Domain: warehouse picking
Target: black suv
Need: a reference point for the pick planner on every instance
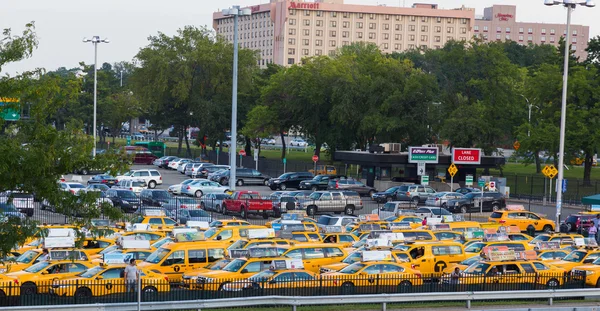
(319, 182)
(154, 197)
(243, 176)
(492, 201)
(124, 199)
(289, 180)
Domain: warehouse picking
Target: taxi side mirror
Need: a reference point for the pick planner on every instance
(45, 272)
(244, 271)
(99, 277)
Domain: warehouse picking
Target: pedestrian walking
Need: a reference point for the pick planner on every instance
(131, 276)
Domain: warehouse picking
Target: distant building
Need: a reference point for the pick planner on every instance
(499, 23)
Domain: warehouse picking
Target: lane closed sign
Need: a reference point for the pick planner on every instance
(466, 156)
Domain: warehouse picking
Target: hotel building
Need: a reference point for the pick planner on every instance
(285, 31)
(499, 22)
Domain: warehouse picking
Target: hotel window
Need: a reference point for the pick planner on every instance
(413, 18)
(318, 52)
(345, 43)
(292, 41)
(398, 27)
(424, 47)
(359, 35)
(305, 41)
(463, 39)
(306, 13)
(291, 51)
(485, 37)
(543, 39)
(306, 22)
(332, 43)
(529, 38)
(485, 28)
(439, 19)
(463, 30)
(371, 35)
(411, 27)
(507, 37)
(424, 28)
(333, 33)
(319, 13)
(450, 30)
(346, 25)
(333, 24)
(292, 21)
(438, 29)
(450, 20)
(318, 42)
(387, 17)
(552, 31)
(520, 38)
(573, 48)
(292, 12)
(292, 32)
(290, 61)
(507, 29)
(398, 18)
(397, 47)
(304, 51)
(306, 32)
(530, 30)
(543, 31)
(498, 29)
(332, 53)
(360, 15)
(498, 37)
(438, 38)
(411, 37)
(574, 32)
(345, 34)
(476, 28)
(551, 39)
(319, 23)
(386, 36)
(372, 16)
(574, 40)
(463, 21)
(319, 33)
(398, 37)
(372, 26)
(386, 46)
(411, 46)
(521, 30)
(359, 25)
(423, 38)
(346, 15)
(424, 19)
(386, 26)
(333, 14)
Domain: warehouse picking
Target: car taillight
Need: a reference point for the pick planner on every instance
(413, 266)
(437, 199)
(407, 194)
(160, 177)
(188, 187)
(502, 221)
(73, 191)
(337, 185)
(183, 206)
(131, 189)
(418, 275)
(193, 169)
(16, 282)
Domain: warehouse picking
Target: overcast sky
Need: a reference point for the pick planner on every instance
(61, 24)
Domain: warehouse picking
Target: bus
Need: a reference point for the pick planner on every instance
(157, 148)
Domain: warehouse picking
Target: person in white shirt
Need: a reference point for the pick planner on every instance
(45, 255)
(131, 276)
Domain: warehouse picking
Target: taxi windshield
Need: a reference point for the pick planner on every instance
(353, 268)
(161, 242)
(470, 261)
(109, 249)
(352, 258)
(477, 268)
(262, 276)
(575, 256)
(239, 244)
(158, 255)
(27, 257)
(210, 233)
(220, 264)
(37, 267)
(540, 238)
(475, 247)
(235, 265)
(91, 272)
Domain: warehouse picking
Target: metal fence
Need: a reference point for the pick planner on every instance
(537, 188)
(112, 289)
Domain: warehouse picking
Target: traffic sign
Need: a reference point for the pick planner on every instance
(469, 180)
(423, 154)
(425, 180)
(466, 156)
(421, 169)
(315, 158)
(564, 186)
(492, 186)
(255, 154)
(517, 145)
(481, 183)
(550, 171)
(128, 140)
(452, 170)
(243, 153)
(284, 160)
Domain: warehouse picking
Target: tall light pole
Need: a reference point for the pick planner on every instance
(570, 5)
(95, 40)
(236, 12)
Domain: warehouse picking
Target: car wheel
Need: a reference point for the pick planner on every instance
(240, 182)
(311, 210)
(347, 288)
(198, 193)
(150, 290)
(266, 182)
(282, 187)
(224, 209)
(389, 199)
(84, 171)
(463, 209)
(28, 288)
(495, 207)
(314, 188)
(152, 184)
(243, 212)
(548, 229)
(349, 210)
(404, 286)
(83, 293)
(552, 283)
(223, 182)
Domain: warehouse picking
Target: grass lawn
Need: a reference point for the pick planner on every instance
(574, 172)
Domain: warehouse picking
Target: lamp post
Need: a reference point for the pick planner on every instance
(236, 12)
(95, 40)
(570, 5)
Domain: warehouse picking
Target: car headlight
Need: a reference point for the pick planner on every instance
(588, 272)
(277, 181)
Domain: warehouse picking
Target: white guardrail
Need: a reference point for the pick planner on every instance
(294, 302)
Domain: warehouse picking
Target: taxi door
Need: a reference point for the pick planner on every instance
(111, 282)
(422, 259)
(534, 220)
(174, 265)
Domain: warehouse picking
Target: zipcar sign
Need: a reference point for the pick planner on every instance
(466, 156)
(422, 155)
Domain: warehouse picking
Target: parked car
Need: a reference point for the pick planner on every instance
(176, 188)
(416, 194)
(298, 142)
(432, 212)
(441, 199)
(470, 202)
(391, 194)
(332, 201)
(124, 199)
(289, 180)
(192, 168)
(394, 208)
(151, 176)
(184, 215)
(211, 176)
(576, 221)
(182, 202)
(213, 202)
(244, 176)
(268, 141)
(73, 187)
(200, 187)
(465, 190)
(155, 197)
(325, 221)
(351, 185)
(97, 187)
(319, 182)
(104, 179)
(248, 202)
(135, 185)
(205, 171)
(175, 163)
(164, 163)
(23, 202)
(9, 211)
(182, 166)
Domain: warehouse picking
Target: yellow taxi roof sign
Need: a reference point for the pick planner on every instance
(62, 242)
(177, 231)
(154, 212)
(130, 244)
(376, 256)
(515, 207)
(197, 224)
(140, 227)
(261, 233)
(287, 264)
(438, 227)
(368, 217)
(547, 245)
(585, 242)
(190, 237)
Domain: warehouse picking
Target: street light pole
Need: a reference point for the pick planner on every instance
(236, 12)
(570, 5)
(95, 40)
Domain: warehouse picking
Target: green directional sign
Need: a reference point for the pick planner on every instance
(423, 155)
(284, 160)
(469, 180)
(9, 109)
(424, 180)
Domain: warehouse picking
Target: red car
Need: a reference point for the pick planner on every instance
(144, 157)
(248, 202)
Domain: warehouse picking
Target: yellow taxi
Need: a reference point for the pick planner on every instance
(215, 266)
(356, 256)
(107, 280)
(32, 257)
(552, 254)
(315, 255)
(281, 275)
(413, 221)
(591, 272)
(95, 245)
(475, 248)
(156, 219)
(576, 258)
(245, 244)
(228, 223)
(522, 219)
(463, 264)
(130, 249)
(519, 237)
(37, 279)
(9, 287)
(379, 270)
(434, 257)
(345, 239)
(229, 233)
(464, 226)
